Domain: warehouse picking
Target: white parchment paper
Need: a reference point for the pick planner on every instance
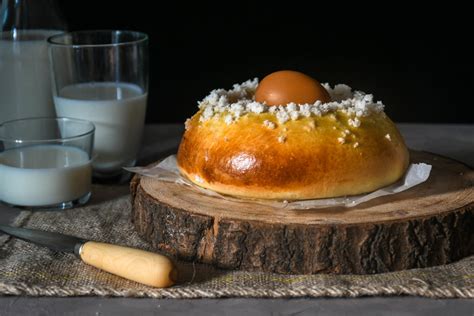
(167, 170)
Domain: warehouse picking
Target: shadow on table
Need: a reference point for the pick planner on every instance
(103, 193)
(195, 273)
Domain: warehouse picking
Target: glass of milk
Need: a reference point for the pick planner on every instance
(46, 162)
(102, 76)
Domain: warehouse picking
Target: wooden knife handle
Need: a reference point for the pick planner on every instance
(137, 265)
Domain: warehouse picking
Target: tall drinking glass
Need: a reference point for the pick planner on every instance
(102, 76)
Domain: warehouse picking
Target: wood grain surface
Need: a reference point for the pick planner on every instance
(430, 224)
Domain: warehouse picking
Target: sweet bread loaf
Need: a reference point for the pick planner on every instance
(237, 146)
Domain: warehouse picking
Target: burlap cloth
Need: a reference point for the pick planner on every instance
(27, 269)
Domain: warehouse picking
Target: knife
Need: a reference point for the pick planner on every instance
(137, 265)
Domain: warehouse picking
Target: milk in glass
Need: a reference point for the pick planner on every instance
(118, 112)
(44, 175)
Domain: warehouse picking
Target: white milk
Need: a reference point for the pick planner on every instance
(118, 112)
(25, 83)
(44, 175)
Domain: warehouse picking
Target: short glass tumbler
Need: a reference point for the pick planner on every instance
(46, 162)
(102, 77)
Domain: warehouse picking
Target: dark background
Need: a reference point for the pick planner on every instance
(418, 62)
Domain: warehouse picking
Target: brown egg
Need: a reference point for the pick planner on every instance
(286, 86)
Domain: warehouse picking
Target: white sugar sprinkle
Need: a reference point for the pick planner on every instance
(294, 115)
(388, 137)
(187, 124)
(282, 116)
(207, 114)
(341, 140)
(269, 124)
(240, 101)
(355, 122)
(228, 119)
(356, 144)
(281, 138)
(255, 107)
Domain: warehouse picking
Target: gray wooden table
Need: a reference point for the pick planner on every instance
(455, 141)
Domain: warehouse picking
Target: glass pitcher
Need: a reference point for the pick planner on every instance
(25, 80)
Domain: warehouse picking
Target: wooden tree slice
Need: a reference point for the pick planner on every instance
(430, 224)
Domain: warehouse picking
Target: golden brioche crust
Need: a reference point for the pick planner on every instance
(312, 157)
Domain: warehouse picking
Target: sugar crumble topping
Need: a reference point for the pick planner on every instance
(228, 119)
(187, 123)
(355, 122)
(281, 139)
(231, 105)
(269, 124)
(311, 126)
(238, 101)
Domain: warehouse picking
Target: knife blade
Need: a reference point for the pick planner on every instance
(55, 241)
(134, 264)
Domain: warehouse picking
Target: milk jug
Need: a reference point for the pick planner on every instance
(25, 79)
